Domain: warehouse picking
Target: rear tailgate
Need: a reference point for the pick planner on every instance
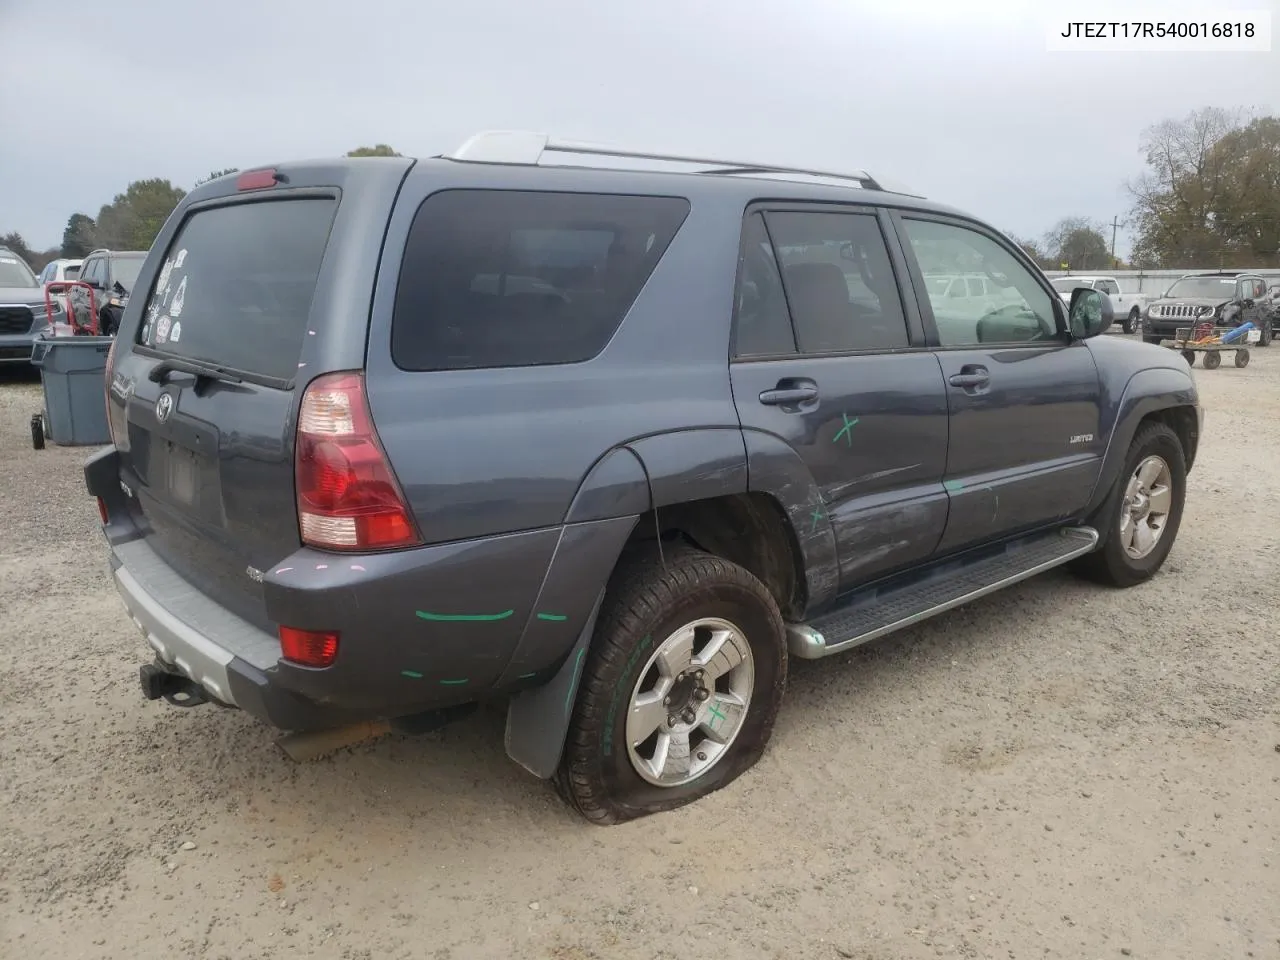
(270, 286)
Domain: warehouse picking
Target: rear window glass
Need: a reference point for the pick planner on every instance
(506, 279)
(125, 270)
(73, 272)
(236, 286)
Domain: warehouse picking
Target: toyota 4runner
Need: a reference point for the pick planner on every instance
(609, 445)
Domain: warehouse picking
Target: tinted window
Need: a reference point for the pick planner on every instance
(1018, 308)
(72, 273)
(1207, 288)
(236, 286)
(124, 271)
(14, 273)
(763, 326)
(1259, 288)
(839, 283)
(504, 279)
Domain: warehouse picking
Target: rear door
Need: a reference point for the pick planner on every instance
(1023, 399)
(270, 288)
(827, 359)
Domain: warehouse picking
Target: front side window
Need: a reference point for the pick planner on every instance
(1020, 310)
(504, 278)
(1109, 287)
(839, 282)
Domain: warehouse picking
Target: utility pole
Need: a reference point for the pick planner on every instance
(1115, 223)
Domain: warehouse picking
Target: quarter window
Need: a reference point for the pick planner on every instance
(763, 326)
(1016, 309)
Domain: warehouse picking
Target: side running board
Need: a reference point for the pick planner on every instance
(894, 604)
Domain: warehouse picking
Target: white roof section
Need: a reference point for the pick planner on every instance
(531, 149)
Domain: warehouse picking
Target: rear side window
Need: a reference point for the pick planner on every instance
(839, 282)
(236, 287)
(495, 278)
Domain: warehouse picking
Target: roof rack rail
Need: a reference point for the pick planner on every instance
(529, 148)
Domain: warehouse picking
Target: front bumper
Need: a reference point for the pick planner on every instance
(16, 347)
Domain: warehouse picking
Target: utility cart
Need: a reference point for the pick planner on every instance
(1213, 342)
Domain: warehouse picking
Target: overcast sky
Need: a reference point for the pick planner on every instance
(957, 98)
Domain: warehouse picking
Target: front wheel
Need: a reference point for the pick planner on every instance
(1133, 322)
(1140, 518)
(680, 690)
(1267, 333)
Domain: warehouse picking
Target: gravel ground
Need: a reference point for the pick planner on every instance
(1058, 771)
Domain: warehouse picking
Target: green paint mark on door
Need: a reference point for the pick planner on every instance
(846, 431)
(411, 674)
(463, 617)
(552, 616)
(454, 683)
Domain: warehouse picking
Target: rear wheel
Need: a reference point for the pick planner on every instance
(1140, 518)
(680, 690)
(37, 431)
(1267, 333)
(1212, 360)
(1242, 358)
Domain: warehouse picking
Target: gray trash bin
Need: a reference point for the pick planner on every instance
(73, 372)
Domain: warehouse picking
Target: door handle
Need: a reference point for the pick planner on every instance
(970, 376)
(789, 392)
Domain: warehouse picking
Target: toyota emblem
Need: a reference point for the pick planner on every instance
(164, 407)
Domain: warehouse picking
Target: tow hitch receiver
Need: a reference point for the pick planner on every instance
(176, 689)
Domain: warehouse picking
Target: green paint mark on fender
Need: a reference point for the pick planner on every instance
(411, 674)
(454, 683)
(577, 670)
(463, 617)
(846, 431)
(552, 616)
(953, 484)
(815, 516)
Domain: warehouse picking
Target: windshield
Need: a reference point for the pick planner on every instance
(125, 270)
(14, 273)
(1067, 284)
(1207, 288)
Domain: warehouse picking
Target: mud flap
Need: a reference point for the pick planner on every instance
(538, 719)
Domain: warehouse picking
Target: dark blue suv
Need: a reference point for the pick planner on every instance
(610, 445)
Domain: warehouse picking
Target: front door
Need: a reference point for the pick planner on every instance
(826, 360)
(1024, 399)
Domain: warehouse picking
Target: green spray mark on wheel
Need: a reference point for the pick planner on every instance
(715, 712)
(552, 616)
(463, 617)
(411, 674)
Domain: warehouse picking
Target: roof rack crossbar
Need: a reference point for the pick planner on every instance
(520, 147)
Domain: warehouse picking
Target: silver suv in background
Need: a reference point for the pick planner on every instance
(23, 315)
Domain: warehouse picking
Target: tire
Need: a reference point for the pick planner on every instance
(37, 431)
(1132, 322)
(1213, 360)
(1268, 332)
(647, 604)
(1190, 357)
(1242, 358)
(1111, 563)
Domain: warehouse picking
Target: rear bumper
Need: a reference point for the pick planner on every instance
(419, 629)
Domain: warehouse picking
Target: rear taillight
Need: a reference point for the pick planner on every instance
(348, 498)
(111, 365)
(310, 648)
(102, 511)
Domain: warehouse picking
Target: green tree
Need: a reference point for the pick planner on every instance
(216, 174)
(380, 150)
(1079, 242)
(79, 237)
(132, 220)
(15, 243)
(1033, 250)
(1211, 194)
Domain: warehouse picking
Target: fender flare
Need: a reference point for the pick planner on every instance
(1147, 392)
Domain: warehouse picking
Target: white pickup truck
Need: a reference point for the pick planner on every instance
(1129, 307)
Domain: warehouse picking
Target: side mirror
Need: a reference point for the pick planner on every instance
(1090, 313)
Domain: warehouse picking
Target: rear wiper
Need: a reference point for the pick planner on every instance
(160, 372)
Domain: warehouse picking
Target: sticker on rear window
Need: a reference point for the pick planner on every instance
(167, 269)
(182, 255)
(179, 298)
(7, 260)
(162, 330)
(175, 333)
